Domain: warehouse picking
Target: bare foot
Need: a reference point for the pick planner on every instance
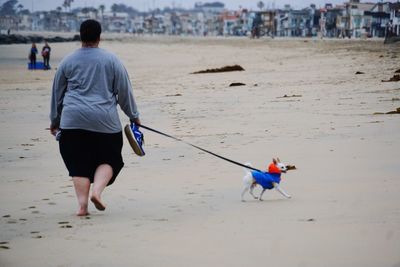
(82, 212)
(97, 203)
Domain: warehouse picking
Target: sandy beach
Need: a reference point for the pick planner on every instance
(302, 101)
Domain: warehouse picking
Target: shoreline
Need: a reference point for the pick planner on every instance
(107, 36)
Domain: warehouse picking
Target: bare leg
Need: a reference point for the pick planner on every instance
(82, 186)
(102, 176)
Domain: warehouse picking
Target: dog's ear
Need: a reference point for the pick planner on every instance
(278, 160)
(274, 160)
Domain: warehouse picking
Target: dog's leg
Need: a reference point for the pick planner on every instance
(247, 181)
(245, 189)
(262, 192)
(280, 190)
(251, 190)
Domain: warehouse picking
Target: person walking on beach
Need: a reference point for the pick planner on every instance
(46, 55)
(32, 56)
(88, 85)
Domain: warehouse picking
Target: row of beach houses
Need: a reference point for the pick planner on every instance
(349, 20)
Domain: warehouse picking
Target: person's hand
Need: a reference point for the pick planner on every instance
(53, 130)
(136, 121)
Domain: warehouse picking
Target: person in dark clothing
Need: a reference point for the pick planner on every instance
(46, 55)
(255, 28)
(32, 56)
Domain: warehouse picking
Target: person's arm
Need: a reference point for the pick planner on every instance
(57, 96)
(123, 89)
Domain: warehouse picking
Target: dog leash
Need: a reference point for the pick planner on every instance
(199, 148)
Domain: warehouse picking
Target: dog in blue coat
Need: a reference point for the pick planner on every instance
(267, 180)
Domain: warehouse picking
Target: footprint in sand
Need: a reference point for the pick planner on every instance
(27, 144)
(65, 225)
(161, 220)
(36, 236)
(307, 220)
(3, 245)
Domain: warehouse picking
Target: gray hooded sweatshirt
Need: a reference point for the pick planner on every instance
(88, 85)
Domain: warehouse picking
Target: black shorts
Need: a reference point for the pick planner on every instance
(83, 151)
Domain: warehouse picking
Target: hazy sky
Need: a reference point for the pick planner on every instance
(145, 5)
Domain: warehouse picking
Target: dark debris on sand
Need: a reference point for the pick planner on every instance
(223, 69)
(236, 84)
(395, 78)
(173, 95)
(288, 96)
(397, 111)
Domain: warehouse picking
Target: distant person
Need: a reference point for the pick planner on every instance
(87, 87)
(8, 31)
(46, 55)
(256, 25)
(32, 56)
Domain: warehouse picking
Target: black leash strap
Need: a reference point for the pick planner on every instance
(199, 148)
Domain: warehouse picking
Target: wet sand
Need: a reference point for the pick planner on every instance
(302, 101)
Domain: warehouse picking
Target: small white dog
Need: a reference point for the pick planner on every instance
(268, 180)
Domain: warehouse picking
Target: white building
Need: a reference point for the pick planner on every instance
(116, 21)
(395, 18)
